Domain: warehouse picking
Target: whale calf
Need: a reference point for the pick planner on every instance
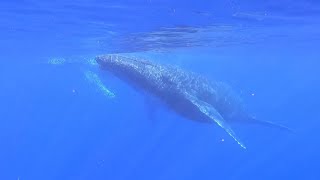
(188, 94)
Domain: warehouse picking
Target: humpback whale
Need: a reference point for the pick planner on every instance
(190, 95)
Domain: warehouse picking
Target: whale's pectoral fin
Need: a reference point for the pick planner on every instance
(213, 114)
(94, 79)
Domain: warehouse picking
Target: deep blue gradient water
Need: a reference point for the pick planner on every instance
(57, 122)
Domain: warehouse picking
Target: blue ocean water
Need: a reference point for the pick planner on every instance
(62, 118)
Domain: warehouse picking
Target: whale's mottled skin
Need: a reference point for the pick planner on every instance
(188, 94)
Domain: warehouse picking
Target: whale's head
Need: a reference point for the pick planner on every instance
(117, 64)
(114, 62)
(125, 67)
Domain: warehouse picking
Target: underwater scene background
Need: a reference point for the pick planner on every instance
(63, 118)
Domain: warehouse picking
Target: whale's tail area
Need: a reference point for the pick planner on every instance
(270, 124)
